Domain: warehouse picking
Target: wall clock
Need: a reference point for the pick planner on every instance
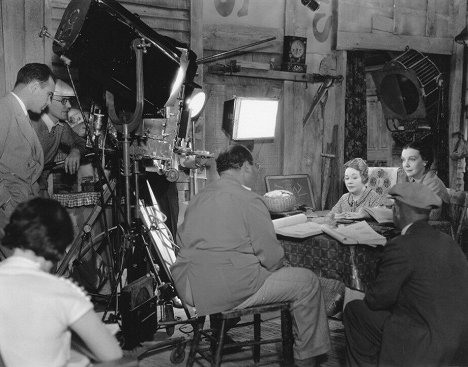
(294, 54)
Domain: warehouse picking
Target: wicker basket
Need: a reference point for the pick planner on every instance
(280, 204)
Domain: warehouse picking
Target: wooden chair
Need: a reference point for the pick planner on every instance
(381, 179)
(214, 351)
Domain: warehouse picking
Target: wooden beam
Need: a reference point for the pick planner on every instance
(13, 39)
(33, 22)
(47, 43)
(3, 88)
(431, 25)
(293, 133)
(272, 75)
(340, 117)
(196, 45)
(227, 37)
(455, 90)
(393, 42)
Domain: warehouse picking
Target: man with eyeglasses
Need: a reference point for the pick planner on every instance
(54, 132)
(21, 155)
(230, 258)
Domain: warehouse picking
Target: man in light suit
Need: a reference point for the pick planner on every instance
(230, 258)
(21, 155)
(414, 314)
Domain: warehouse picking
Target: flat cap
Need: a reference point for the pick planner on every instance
(416, 195)
(62, 89)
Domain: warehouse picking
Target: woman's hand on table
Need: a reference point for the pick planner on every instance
(360, 214)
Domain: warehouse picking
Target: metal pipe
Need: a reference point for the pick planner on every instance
(226, 54)
(126, 172)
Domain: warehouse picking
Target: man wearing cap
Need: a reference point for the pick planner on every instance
(414, 314)
(21, 156)
(54, 133)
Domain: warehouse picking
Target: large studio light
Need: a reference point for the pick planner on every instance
(97, 36)
(250, 118)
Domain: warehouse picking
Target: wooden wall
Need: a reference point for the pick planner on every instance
(425, 25)
(21, 22)
(295, 148)
(428, 26)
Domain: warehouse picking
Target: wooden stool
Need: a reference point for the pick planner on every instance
(214, 352)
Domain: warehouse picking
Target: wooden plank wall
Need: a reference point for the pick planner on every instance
(425, 25)
(296, 148)
(428, 26)
(20, 43)
(217, 39)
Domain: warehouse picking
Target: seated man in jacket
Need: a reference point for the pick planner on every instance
(54, 132)
(230, 258)
(414, 314)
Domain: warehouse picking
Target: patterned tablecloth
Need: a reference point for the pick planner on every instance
(328, 258)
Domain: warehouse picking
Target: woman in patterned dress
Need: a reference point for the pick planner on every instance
(359, 195)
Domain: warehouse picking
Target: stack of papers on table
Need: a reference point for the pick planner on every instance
(359, 233)
(296, 226)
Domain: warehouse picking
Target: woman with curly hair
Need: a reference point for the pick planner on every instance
(356, 176)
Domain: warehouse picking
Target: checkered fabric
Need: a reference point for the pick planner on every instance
(77, 199)
(328, 258)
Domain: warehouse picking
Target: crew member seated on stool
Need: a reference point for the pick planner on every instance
(38, 310)
(414, 314)
(230, 258)
(54, 132)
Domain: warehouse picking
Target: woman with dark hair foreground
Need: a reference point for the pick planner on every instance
(38, 310)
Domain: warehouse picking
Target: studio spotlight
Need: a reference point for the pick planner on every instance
(196, 103)
(311, 4)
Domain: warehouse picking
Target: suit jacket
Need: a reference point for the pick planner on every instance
(422, 279)
(62, 135)
(228, 247)
(21, 156)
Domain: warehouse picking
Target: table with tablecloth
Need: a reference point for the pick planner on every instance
(354, 265)
(328, 258)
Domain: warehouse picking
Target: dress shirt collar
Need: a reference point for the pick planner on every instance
(23, 106)
(49, 123)
(405, 229)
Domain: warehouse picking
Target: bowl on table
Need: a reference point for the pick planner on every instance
(278, 201)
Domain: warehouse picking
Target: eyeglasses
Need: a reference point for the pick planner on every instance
(63, 101)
